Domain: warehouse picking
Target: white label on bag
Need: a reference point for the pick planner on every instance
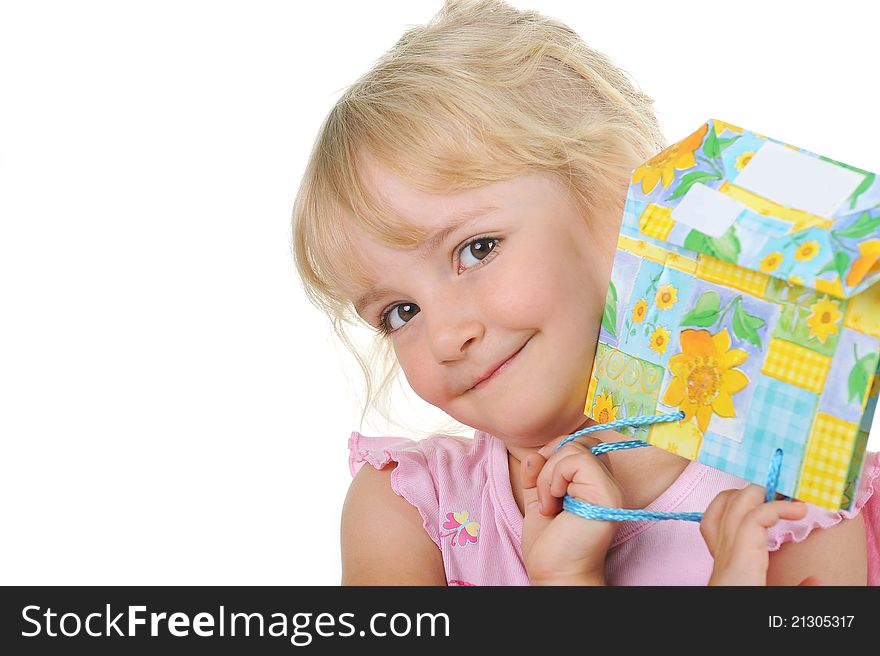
(798, 181)
(707, 210)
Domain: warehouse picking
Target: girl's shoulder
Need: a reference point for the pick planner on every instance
(866, 501)
(461, 489)
(428, 471)
(383, 536)
(378, 451)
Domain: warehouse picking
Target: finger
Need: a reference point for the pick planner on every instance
(769, 513)
(581, 444)
(530, 467)
(551, 488)
(711, 522)
(811, 580)
(534, 523)
(741, 503)
(579, 469)
(550, 448)
(549, 504)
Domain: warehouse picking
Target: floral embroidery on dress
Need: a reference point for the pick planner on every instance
(460, 582)
(460, 529)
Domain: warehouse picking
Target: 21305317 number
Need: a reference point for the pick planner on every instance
(810, 621)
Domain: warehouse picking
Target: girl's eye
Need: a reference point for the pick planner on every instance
(408, 310)
(479, 248)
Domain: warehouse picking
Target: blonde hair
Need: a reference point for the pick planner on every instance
(480, 94)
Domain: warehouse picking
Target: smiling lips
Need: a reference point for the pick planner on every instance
(493, 372)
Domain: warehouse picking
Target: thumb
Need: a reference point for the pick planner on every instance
(534, 522)
(811, 580)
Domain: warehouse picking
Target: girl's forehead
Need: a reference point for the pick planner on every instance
(428, 210)
(418, 205)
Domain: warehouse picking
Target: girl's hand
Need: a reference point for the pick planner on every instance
(561, 548)
(735, 527)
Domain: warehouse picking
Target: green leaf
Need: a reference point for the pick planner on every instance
(689, 180)
(609, 317)
(697, 241)
(864, 226)
(724, 143)
(705, 312)
(745, 325)
(862, 188)
(840, 264)
(726, 247)
(849, 167)
(710, 147)
(860, 376)
(830, 265)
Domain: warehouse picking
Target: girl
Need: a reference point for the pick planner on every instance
(464, 198)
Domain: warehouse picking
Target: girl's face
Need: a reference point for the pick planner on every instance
(523, 277)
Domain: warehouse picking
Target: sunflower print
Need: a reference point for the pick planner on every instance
(639, 310)
(771, 262)
(660, 340)
(604, 410)
(663, 165)
(666, 297)
(824, 318)
(704, 379)
(807, 251)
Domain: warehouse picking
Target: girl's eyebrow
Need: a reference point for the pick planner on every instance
(429, 245)
(456, 220)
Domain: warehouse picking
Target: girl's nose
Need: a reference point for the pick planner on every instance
(453, 326)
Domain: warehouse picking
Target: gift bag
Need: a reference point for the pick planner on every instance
(745, 292)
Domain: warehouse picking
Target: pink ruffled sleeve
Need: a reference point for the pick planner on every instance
(411, 479)
(867, 501)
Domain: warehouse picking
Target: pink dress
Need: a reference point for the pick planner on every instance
(461, 487)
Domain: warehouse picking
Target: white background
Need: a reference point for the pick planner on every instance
(172, 410)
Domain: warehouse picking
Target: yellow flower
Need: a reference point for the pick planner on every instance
(771, 262)
(639, 310)
(704, 379)
(666, 297)
(662, 166)
(744, 159)
(796, 280)
(660, 340)
(824, 319)
(867, 262)
(604, 410)
(807, 251)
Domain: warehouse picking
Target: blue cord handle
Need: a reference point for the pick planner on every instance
(589, 511)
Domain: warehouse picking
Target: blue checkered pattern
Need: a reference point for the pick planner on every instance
(780, 416)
